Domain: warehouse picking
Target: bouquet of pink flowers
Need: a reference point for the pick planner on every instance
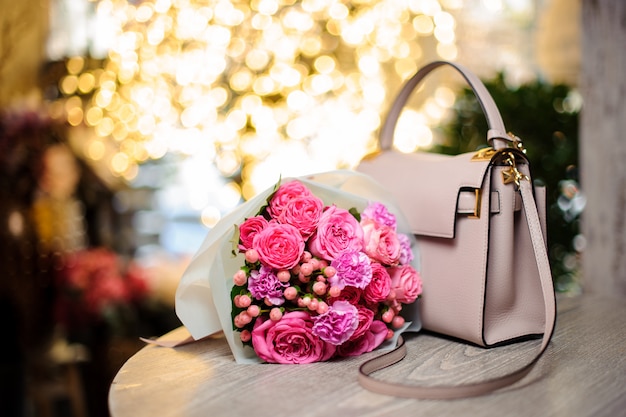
(317, 268)
(320, 281)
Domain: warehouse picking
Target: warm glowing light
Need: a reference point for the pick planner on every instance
(210, 216)
(119, 163)
(95, 150)
(75, 65)
(259, 89)
(445, 97)
(75, 116)
(93, 116)
(86, 82)
(423, 24)
(69, 84)
(229, 195)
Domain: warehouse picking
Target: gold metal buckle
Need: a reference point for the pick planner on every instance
(476, 214)
(484, 154)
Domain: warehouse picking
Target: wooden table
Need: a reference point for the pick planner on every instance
(583, 373)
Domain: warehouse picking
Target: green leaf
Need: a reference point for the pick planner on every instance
(355, 213)
(235, 241)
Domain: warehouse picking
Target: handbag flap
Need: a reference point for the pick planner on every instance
(427, 186)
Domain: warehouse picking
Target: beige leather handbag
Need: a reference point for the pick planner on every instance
(480, 227)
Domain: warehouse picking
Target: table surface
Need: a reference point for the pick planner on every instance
(583, 373)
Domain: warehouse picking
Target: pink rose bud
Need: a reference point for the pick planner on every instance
(244, 301)
(252, 256)
(290, 293)
(254, 310)
(334, 291)
(283, 275)
(315, 264)
(245, 336)
(397, 322)
(388, 316)
(329, 271)
(275, 314)
(240, 278)
(319, 288)
(244, 317)
(306, 269)
(322, 307)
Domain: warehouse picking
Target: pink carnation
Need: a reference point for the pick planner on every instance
(338, 324)
(264, 284)
(378, 213)
(353, 269)
(406, 254)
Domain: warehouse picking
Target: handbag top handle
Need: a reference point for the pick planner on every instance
(496, 136)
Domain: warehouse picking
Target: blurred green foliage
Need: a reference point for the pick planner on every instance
(545, 117)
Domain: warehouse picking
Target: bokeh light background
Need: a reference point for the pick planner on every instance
(231, 95)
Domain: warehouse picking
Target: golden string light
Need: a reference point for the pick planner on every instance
(257, 88)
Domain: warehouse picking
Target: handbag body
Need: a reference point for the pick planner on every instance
(479, 224)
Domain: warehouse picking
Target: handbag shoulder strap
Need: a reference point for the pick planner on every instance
(483, 387)
(496, 134)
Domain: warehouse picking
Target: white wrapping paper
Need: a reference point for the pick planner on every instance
(203, 301)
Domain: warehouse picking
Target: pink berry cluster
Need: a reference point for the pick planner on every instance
(310, 290)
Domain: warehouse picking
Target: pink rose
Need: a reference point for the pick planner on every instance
(373, 338)
(303, 213)
(337, 231)
(280, 246)
(349, 294)
(406, 283)
(381, 243)
(248, 229)
(285, 193)
(289, 340)
(366, 317)
(380, 285)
